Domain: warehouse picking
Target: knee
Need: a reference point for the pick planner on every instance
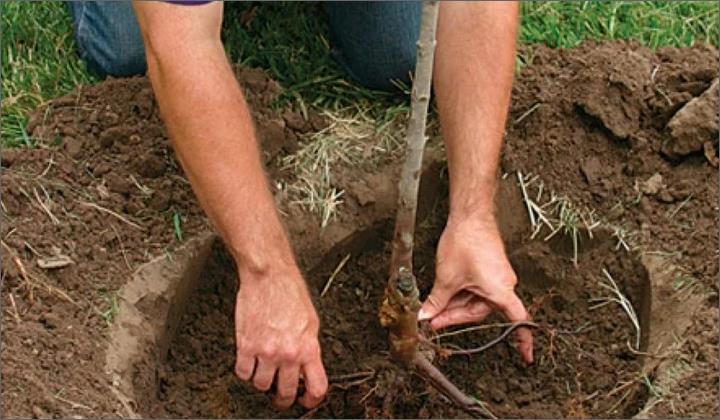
(375, 41)
(108, 38)
(382, 68)
(113, 62)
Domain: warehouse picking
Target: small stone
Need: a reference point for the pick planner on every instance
(652, 185)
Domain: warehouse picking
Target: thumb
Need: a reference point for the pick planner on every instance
(436, 302)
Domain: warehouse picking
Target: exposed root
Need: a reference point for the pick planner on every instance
(496, 340)
(348, 381)
(440, 382)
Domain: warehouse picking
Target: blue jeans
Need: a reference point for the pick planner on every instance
(374, 41)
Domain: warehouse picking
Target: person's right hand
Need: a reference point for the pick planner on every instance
(276, 330)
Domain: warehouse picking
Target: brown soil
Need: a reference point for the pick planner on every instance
(601, 135)
(101, 190)
(610, 134)
(580, 353)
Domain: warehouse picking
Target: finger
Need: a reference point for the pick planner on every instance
(437, 301)
(474, 311)
(316, 384)
(514, 310)
(286, 386)
(264, 374)
(244, 366)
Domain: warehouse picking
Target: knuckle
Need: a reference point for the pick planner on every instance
(244, 348)
(269, 350)
(288, 353)
(311, 348)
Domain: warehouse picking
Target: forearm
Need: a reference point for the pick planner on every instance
(473, 78)
(213, 137)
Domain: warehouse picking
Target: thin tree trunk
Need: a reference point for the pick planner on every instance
(410, 179)
(401, 302)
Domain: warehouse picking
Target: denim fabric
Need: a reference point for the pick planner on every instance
(108, 37)
(374, 41)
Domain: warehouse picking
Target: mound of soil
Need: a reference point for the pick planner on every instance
(633, 135)
(616, 128)
(100, 195)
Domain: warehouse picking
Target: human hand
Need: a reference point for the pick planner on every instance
(276, 330)
(473, 278)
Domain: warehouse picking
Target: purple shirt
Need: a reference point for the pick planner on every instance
(188, 2)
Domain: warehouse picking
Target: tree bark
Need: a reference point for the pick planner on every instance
(401, 302)
(410, 179)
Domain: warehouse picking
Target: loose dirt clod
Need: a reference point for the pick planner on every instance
(695, 124)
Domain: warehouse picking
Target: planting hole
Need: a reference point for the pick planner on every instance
(586, 363)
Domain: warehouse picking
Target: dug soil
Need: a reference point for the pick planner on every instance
(581, 354)
(622, 132)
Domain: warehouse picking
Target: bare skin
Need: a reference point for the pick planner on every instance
(275, 321)
(473, 78)
(276, 334)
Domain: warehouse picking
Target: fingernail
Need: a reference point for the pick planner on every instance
(422, 315)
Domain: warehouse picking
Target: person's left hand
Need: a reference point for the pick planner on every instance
(473, 278)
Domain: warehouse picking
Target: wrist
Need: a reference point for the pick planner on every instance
(480, 220)
(266, 254)
(268, 270)
(478, 208)
(472, 193)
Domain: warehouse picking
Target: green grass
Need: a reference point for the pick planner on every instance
(668, 23)
(38, 62)
(290, 41)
